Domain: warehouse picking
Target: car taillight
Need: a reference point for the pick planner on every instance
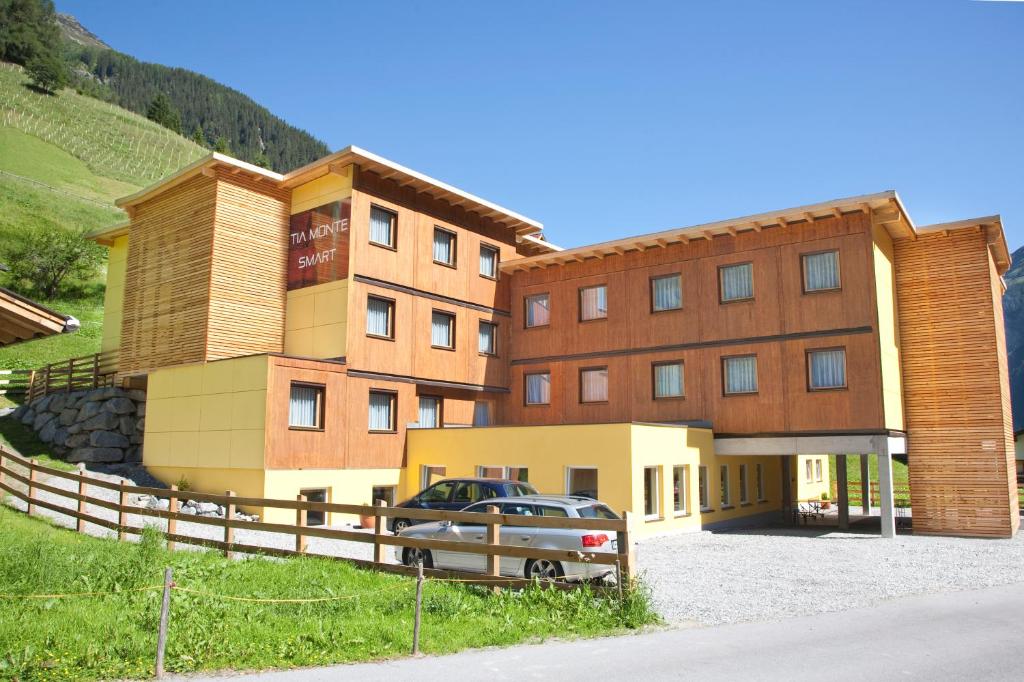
(594, 540)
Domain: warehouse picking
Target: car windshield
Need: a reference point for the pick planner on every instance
(519, 489)
(595, 511)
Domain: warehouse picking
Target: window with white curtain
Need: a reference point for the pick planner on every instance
(488, 261)
(668, 380)
(488, 338)
(594, 385)
(666, 293)
(382, 411)
(442, 330)
(482, 413)
(827, 369)
(538, 388)
(444, 247)
(380, 317)
(740, 374)
(736, 282)
(594, 303)
(430, 412)
(821, 271)
(382, 226)
(538, 310)
(306, 407)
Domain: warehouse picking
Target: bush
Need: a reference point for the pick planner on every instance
(44, 261)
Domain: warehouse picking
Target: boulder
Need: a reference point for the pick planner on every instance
(104, 393)
(28, 416)
(77, 440)
(89, 410)
(58, 402)
(43, 403)
(140, 425)
(140, 409)
(206, 507)
(188, 511)
(107, 439)
(40, 421)
(68, 416)
(158, 503)
(137, 395)
(104, 421)
(133, 454)
(119, 405)
(60, 435)
(88, 454)
(46, 433)
(126, 425)
(75, 428)
(19, 411)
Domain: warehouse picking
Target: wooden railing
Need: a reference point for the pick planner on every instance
(900, 493)
(73, 374)
(14, 383)
(26, 486)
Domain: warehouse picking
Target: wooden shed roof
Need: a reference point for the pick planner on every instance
(22, 319)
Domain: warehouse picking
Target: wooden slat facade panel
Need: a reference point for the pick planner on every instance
(955, 386)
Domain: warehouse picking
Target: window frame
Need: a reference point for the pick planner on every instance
(657, 515)
(579, 303)
(494, 338)
(704, 492)
(425, 475)
(389, 486)
(817, 470)
(497, 260)
(393, 428)
(608, 385)
(526, 306)
(654, 379)
(393, 246)
(803, 272)
(451, 329)
(454, 265)
(684, 494)
(730, 394)
(322, 517)
(808, 471)
(724, 487)
(721, 281)
(568, 477)
(391, 317)
(440, 409)
(650, 289)
(808, 352)
(526, 387)
(506, 472)
(321, 399)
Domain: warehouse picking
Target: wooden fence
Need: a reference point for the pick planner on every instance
(900, 493)
(14, 383)
(73, 374)
(622, 560)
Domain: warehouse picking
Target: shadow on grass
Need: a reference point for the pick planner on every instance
(24, 441)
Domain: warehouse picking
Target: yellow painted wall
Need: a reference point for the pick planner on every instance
(718, 511)
(344, 486)
(113, 299)
(888, 331)
(323, 190)
(243, 482)
(316, 320)
(811, 489)
(665, 448)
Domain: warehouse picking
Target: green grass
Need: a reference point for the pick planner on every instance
(85, 341)
(115, 636)
(900, 474)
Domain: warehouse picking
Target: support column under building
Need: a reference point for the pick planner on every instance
(885, 493)
(865, 485)
(843, 493)
(787, 490)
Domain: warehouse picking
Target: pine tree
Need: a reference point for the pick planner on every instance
(261, 160)
(221, 145)
(198, 137)
(163, 112)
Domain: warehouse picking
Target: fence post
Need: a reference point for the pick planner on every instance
(95, 370)
(46, 383)
(31, 486)
(229, 532)
(31, 385)
(300, 522)
(172, 521)
(122, 512)
(80, 522)
(493, 538)
(625, 550)
(71, 373)
(419, 604)
(161, 637)
(378, 530)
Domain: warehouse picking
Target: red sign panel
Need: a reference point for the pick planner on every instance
(318, 245)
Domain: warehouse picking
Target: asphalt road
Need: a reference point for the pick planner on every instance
(954, 636)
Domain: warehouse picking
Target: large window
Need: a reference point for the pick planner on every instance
(821, 271)
(382, 411)
(380, 317)
(538, 310)
(306, 406)
(430, 412)
(581, 481)
(736, 282)
(510, 473)
(739, 374)
(315, 518)
(593, 303)
(666, 293)
(488, 261)
(725, 494)
(826, 369)
(817, 470)
(744, 495)
(444, 247)
(488, 338)
(668, 379)
(482, 413)
(383, 226)
(442, 330)
(652, 493)
(680, 478)
(702, 488)
(594, 385)
(538, 388)
(759, 481)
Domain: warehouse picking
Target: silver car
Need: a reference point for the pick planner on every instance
(562, 506)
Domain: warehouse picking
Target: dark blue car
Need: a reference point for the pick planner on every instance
(458, 493)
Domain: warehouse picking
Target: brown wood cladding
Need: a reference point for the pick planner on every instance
(955, 388)
(780, 308)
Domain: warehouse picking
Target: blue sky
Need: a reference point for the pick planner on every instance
(603, 120)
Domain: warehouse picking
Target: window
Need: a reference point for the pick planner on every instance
(680, 476)
(744, 497)
(581, 481)
(593, 303)
(430, 412)
(668, 380)
(702, 488)
(488, 338)
(759, 481)
(594, 385)
(821, 271)
(538, 310)
(538, 388)
(826, 369)
(726, 494)
(488, 261)
(382, 227)
(444, 247)
(380, 317)
(552, 511)
(430, 474)
(817, 470)
(666, 293)
(306, 407)
(736, 282)
(521, 474)
(652, 501)
(382, 411)
(808, 469)
(482, 413)
(739, 374)
(442, 330)
(315, 518)
(383, 492)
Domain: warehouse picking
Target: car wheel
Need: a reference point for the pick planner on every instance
(400, 525)
(543, 569)
(411, 556)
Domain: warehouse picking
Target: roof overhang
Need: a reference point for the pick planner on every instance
(22, 319)
(107, 235)
(991, 225)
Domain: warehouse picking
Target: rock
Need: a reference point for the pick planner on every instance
(133, 454)
(136, 438)
(104, 421)
(126, 425)
(140, 409)
(158, 503)
(21, 410)
(28, 416)
(43, 403)
(68, 416)
(77, 440)
(206, 507)
(104, 393)
(75, 428)
(40, 421)
(140, 425)
(137, 395)
(88, 454)
(119, 405)
(107, 439)
(188, 511)
(58, 402)
(60, 435)
(46, 433)
(89, 410)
